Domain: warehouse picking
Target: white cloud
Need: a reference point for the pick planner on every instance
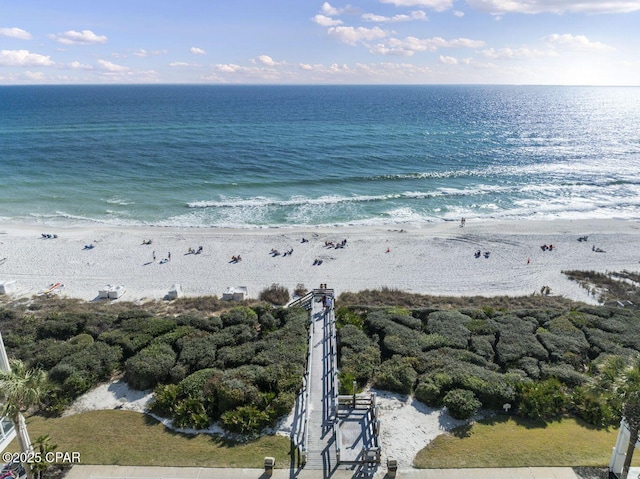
(76, 65)
(85, 37)
(415, 15)
(197, 51)
(364, 72)
(437, 5)
(497, 7)
(458, 13)
(576, 42)
(325, 21)
(36, 76)
(411, 45)
(229, 68)
(23, 58)
(327, 9)
(112, 67)
(15, 33)
(267, 60)
(352, 35)
(448, 60)
(141, 52)
(516, 53)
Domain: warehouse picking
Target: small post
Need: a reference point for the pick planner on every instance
(392, 468)
(269, 464)
(354, 394)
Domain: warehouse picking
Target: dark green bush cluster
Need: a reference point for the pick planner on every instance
(517, 339)
(242, 367)
(461, 403)
(150, 366)
(541, 361)
(242, 376)
(450, 325)
(359, 355)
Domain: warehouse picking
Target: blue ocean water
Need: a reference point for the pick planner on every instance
(261, 156)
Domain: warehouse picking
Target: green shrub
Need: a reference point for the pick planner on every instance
(275, 294)
(361, 365)
(241, 333)
(268, 323)
(129, 341)
(150, 366)
(428, 392)
(239, 315)
(194, 384)
(403, 316)
(178, 373)
(234, 356)
(76, 385)
(428, 342)
(49, 352)
(451, 325)
(395, 374)
(96, 362)
(172, 337)
(461, 403)
(61, 326)
(211, 324)
(230, 393)
(282, 404)
(530, 366)
(60, 372)
(165, 397)
(542, 400)
(197, 351)
(190, 413)
(245, 420)
(562, 337)
(563, 372)
(346, 316)
(516, 339)
(594, 408)
(151, 326)
(483, 346)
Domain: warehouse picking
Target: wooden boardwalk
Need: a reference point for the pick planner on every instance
(323, 388)
(334, 436)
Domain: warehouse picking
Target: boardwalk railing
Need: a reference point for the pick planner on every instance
(306, 301)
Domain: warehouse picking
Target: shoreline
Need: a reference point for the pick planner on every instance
(436, 259)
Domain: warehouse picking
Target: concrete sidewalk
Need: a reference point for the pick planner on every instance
(130, 472)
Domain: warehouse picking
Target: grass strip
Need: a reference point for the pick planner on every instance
(130, 438)
(513, 442)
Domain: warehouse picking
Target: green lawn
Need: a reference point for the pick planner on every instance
(131, 438)
(514, 442)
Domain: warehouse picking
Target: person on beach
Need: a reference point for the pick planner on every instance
(154, 256)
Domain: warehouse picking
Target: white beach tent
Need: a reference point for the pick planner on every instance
(175, 292)
(8, 287)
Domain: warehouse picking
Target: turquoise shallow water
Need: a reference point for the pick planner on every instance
(253, 156)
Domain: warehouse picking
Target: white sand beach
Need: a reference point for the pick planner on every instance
(437, 259)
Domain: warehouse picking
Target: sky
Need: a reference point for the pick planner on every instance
(559, 42)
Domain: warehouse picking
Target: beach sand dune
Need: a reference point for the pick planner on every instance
(439, 259)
